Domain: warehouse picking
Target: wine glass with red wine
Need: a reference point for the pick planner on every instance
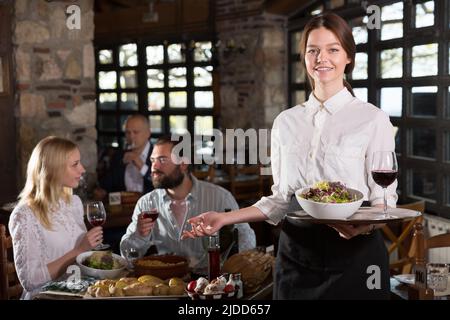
(150, 210)
(384, 171)
(96, 216)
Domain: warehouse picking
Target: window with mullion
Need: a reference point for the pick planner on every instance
(170, 82)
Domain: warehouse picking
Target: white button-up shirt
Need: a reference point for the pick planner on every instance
(333, 141)
(134, 178)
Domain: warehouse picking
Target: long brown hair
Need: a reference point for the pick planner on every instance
(343, 33)
(43, 188)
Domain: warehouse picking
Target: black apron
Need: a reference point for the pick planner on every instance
(314, 262)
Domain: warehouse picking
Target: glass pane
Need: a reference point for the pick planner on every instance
(360, 70)
(424, 184)
(298, 72)
(128, 55)
(203, 125)
(392, 21)
(391, 101)
(178, 124)
(424, 60)
(155, 78)
(106, 122)
(155, 101)
(107, 101)
(397, 140)
(359, 29)
(424, 101)
(360, 93)
(203, 76)
(203, 51)
(204, 99)
(174, 53)
(392, 63)
(424, 143)
(155, 55)
(129, 101)
(392, 12)
(128, 79)
(298, 97)
(178, 99)
(295, 42)
(155, 124)
(391, 30)
(105, 56)
(107, 80)
(177, 77)
(425, 14)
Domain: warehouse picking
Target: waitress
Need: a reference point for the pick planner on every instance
(330, 137)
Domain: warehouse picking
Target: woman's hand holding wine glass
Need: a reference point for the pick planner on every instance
(384, 171)
(96, 215)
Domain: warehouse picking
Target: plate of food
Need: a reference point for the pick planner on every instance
(329, 200)
(219, 288)
(101, 264)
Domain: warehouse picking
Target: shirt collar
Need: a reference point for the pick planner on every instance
(144, 152)
(191, 195)
(332, 105)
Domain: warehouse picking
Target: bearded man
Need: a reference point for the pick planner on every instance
(177, 197)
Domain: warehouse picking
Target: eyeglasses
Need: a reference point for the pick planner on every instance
(161, 160)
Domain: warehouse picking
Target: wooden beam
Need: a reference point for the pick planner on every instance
(283, 7)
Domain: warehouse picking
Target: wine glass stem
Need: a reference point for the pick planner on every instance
(385, 202)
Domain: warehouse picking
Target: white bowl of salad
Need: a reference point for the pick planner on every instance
(329, 200)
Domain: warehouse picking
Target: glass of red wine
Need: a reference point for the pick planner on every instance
(384, 171)
(96, 215)
(150, 210)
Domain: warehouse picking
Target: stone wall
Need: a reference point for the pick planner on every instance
(252, 64)
(55, 78)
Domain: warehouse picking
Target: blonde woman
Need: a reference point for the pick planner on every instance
(47, 225)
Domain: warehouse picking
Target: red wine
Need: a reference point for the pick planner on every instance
(214, 263)
(152, 214)
(384, 178)
(97, 221)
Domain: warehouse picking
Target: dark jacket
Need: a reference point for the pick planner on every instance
(114, 179)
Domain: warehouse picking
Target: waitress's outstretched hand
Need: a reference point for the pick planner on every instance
(204, 224)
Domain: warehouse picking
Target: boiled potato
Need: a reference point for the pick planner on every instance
(173, 282)
(161, 290)
(176, 290)
(138, 289)
(150, 280)
(116, 291)
(129, 280)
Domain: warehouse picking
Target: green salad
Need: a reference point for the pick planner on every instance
(329, 192)
(103, 260)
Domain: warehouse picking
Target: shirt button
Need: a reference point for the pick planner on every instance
(310, 154)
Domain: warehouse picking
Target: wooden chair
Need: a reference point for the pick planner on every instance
(10, 287)
(421, 245)
(400, 237)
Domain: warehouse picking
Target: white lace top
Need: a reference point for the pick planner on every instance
(35, 247)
